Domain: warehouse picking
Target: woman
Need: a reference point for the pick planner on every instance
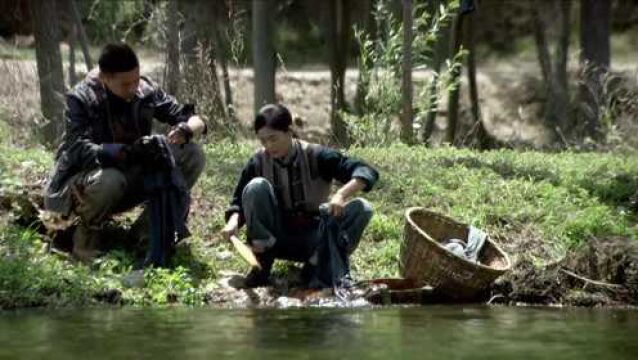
(280, 190)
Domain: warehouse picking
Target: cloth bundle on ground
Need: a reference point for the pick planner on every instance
(330, 266)
(469, 249)
(168, 202)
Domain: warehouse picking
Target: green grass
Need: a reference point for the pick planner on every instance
(566, 198)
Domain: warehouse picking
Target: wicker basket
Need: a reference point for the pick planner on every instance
(425, 261)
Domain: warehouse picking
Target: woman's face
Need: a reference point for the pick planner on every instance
(276, 142)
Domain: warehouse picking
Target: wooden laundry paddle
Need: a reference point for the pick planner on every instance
(245, 252)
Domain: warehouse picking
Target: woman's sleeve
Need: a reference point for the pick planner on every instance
(334, 165)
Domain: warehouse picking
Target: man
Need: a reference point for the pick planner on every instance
(107, 114)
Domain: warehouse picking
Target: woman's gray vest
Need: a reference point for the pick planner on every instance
(298, 185)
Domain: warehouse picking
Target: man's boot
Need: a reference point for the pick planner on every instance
(86, 243)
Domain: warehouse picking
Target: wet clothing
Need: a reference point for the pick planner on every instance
(95, 119)
(279, 201)
(168, 204)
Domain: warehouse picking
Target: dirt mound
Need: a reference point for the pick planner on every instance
(603, 272)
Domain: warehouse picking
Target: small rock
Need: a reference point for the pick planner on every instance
(234, 281)
(224, 255)
(134, 279)
(284, 302)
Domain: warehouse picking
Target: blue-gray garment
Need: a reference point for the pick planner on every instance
(332, 267)
(470, 248)
(168, 203)
(267, 228)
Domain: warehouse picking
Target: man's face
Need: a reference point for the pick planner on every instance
(123, 84)
(276, 142)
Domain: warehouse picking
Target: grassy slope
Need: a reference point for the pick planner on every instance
(558, 200)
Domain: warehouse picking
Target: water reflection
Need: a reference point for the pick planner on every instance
(423, 333)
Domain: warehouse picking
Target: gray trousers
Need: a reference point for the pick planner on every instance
(108, 191)
(266, 225)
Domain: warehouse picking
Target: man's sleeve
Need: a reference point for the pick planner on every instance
(334, 165)
(248, 173)
(78, 132)
(168, 110)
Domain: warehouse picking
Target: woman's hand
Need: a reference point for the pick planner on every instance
(337, 204)
(232, 227)
(338, 201)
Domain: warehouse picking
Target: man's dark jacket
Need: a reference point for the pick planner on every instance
(89, 125)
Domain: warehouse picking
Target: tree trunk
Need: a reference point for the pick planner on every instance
(453, 95)
(554, 75)
(407, 115)
(83, 39)
(263, 52)
(50, 73)
(542, 49)
(594, 59)
(362, 81)
(214, 82)
(339, 35)
(172, 49)
(222, 45)
(441, 52)
(558, 102)
(189, 36)
(71, 41)
(482, 137)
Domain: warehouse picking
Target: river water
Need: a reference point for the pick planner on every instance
(433, 332)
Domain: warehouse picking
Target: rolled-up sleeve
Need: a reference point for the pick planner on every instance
(334, 165)
(168, 110)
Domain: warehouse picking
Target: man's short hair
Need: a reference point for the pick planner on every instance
(116, 58)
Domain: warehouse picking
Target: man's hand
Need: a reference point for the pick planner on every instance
(180, 134)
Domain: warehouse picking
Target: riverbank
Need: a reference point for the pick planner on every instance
(566, 219)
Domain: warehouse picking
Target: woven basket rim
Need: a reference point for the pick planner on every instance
(427, 237)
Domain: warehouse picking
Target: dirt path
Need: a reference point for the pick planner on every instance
(508, 90)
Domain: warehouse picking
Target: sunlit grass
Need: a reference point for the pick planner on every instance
(564, 198)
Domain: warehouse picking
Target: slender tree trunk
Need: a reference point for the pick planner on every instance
(594, 59)
(453, 95)
(558, 103)
(221, 41)
(554, 75)
(49, 61)
(482, 136)
(263, 52)
(407, 114)
(214, 79)
(362, 80)
(441, 52)
(172, 49)
(189, 36)
(71, 42)
(339, 35)
(542, 48)
(83, 39)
